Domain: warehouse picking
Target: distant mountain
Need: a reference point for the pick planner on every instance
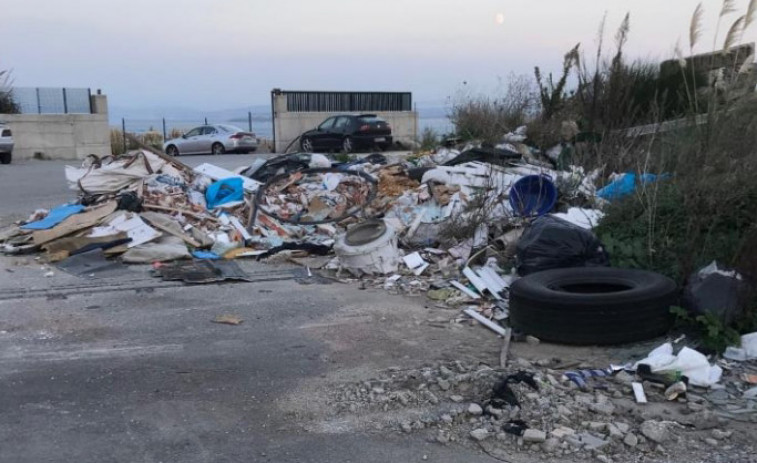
(259, 112)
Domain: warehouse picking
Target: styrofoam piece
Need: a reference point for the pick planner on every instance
(415, 263)
(584, 218)
(485, 321)
(464, 289)
(638, 392)
(135, 228)
(218, 173)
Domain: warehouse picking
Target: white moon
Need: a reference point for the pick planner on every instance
(499, 18)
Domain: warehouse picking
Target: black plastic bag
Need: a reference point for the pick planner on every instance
(718, 291)
(550, 243)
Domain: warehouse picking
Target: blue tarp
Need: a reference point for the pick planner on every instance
(224, 191)
(56, 216)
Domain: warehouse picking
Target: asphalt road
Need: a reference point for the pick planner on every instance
(130, 369)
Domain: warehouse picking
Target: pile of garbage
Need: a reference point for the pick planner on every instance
(426, 216)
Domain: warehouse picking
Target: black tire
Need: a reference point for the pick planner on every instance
(172, 150)
(306, 144)
(5, 158)
(348, 145)
(217, 148)
(593, 305)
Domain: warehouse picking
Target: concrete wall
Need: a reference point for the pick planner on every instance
(61, 136)
(289, 125)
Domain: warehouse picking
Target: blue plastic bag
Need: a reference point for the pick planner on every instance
(626, 184)
(54, 217)
(224, 191)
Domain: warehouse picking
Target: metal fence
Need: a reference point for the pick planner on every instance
(47, 100)
(298, 101)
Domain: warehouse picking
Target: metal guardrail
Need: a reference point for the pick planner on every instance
(308, 101)
(52, 100)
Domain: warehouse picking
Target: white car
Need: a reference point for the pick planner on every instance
(6, 144)
(214, 139)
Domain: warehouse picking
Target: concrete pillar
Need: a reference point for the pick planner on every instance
(99, 104)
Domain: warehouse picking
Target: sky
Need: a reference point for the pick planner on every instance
(216, 54)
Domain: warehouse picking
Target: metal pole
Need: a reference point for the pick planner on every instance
(249, 120)
(165, 137)
(65, 102)
(39, 105)
(123, 133)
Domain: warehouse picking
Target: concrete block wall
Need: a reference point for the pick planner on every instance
(61, 136)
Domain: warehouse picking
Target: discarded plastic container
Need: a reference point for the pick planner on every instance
(533, 195)
(377, 256)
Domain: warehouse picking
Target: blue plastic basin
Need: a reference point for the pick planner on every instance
(533, 195)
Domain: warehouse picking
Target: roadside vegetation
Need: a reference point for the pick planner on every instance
(705, 208)
(7, 105)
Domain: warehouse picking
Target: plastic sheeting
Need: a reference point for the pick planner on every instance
(121, 173)
(688, 362)
(224, 191)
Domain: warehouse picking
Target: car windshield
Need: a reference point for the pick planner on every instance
(229, 128)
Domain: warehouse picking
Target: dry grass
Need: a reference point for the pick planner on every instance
(7, 104)
(480, 117)
(117, 146)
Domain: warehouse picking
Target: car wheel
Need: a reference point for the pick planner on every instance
(307, 145)
(593, 305)
(217, 148)
(347, 146)
(5, 158)
(171, 150)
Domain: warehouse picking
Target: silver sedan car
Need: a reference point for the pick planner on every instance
(6, 144)
(215, 139)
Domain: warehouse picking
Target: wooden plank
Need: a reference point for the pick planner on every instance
(75, 223)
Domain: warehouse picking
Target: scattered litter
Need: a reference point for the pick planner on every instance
(464, 289)
(91, 264)
(638, 392)
(228, 320)
(485, 321)
(202, 271)
(415, 263)
(688, 362)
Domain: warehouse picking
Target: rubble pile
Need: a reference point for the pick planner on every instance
(437, 213)
(535, 407)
